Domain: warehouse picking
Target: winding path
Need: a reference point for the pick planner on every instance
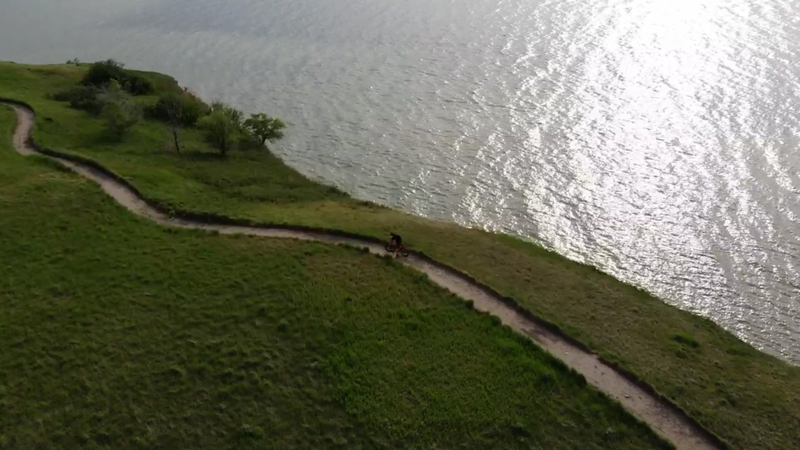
(664, 418)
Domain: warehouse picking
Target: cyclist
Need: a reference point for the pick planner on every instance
(397, 242)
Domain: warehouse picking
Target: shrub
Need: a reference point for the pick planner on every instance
(62, 95)
(685, 339)
(101, 73)
(178, 110)
(236, 117)
(190, 109)
(120, 117)
(220, 130)
(81, 97)
(120, 112)
(251, 133)
(246, 141)
(137, 85)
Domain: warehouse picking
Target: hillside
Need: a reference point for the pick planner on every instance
(744, 396)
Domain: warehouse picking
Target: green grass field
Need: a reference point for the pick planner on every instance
(748, 398)
(116, 333)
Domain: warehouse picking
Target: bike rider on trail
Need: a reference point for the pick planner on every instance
(396, 241)
(395, 246)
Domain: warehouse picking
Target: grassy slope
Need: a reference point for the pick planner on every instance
(748, 398)
(115, 333)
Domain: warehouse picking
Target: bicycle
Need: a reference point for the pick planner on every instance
(392, 248)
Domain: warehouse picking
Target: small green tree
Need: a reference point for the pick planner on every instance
(220, 130)
(119, 111)
(191, 108)
(171, 108)
(236, 117)
(264, 128)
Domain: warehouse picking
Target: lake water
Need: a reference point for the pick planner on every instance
(654, 139)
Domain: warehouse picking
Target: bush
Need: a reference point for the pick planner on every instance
(234, 115)
(63, 95)
(120, 112)
(86, 98)
(137, 85)
(120, 117)
(101, 73)
(247, 141)
(191, 109)
(220, 129)
(226, 127)
(178, 110)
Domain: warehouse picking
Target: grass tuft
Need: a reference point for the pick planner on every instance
(685, 340)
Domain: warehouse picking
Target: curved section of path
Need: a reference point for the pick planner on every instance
(664, 418)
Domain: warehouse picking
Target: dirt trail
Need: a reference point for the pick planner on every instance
(662, 417)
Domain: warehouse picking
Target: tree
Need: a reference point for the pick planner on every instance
(191, 108)
(172, 108)
(220, 130)
(236, 117)
(119, 111)
(264, 128)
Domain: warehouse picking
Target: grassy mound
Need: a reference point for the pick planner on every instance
(116, 333)
(748, 398)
